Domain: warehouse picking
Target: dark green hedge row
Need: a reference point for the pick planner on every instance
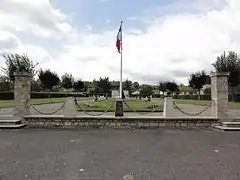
(40, 95)
(196, 97)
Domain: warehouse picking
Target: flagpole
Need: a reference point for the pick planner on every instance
(121, 89)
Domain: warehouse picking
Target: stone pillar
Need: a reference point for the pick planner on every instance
(168, 107)
(119, 108)
(219, 95)
(70, 107)
(22, 88)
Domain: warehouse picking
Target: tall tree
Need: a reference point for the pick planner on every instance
(5, 84)
(229, 63)
(198, 80)
(162, 86)
(18, 63)
(146, 90)
(67, 81)
(135, 86)
(127, 85)
(48, 79)
(171, 87)
(104, 86)
(78, 85)
(36, 86)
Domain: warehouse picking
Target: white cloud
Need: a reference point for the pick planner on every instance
(170, 47)
(8, 41)
(37, 17)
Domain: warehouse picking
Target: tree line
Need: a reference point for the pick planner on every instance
(47, 80)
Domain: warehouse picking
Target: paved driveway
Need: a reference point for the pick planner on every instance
(106, 154)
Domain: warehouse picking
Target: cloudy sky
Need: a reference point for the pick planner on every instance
(162, 39)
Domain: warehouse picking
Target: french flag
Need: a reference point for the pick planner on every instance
(119, 39)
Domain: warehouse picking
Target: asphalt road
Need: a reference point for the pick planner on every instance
(105, 154)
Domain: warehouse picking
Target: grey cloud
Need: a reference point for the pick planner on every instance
(8, 41)
(180, 73)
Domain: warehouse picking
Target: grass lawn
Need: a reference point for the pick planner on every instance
(137, 105)
(10, 103)
(232, 105)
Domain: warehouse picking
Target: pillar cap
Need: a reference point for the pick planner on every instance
(26, 74)
(219, 74)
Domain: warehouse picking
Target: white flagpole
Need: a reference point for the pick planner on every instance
(121, 89)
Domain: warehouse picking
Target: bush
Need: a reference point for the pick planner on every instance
(41, 95)
(193, 97)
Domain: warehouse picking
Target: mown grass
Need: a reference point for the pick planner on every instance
(232, 105)
(137, 105)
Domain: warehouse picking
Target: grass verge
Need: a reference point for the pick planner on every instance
(232, 105)
(10, 103)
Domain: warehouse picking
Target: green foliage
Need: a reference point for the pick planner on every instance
(135, 86)
(67, 81)
(18, 63)
(162, 86)
(127, 85)
(197, 80)
(171, 87)
(103, 84)
(5, 84)
(229, 63)
(48, 79)
(36, 86)
(146, 90)
(78, 85)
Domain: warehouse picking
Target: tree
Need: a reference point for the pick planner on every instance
(229, 63)
(171, 87)
(135, 86)
(18, 63)
(162, 86)
(36, 86)
(104, 86)
(67, 81)
(128, 86)
(146, 90)
(5, 84)
(48, 79)
(197, 80)
(78, 85)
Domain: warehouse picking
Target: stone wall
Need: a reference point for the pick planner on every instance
(117, 122)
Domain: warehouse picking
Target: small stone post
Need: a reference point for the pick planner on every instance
(168, 107)
(219, 95)
(22, 88)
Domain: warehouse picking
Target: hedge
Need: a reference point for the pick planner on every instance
(41, 95)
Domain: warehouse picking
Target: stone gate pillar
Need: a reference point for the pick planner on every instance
(22, 88)
(219, 95)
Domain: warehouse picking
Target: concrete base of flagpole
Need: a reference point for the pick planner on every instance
(119, 111)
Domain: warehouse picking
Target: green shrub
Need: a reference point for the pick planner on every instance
(41, 95)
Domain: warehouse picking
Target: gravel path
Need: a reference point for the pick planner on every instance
(106, 154)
